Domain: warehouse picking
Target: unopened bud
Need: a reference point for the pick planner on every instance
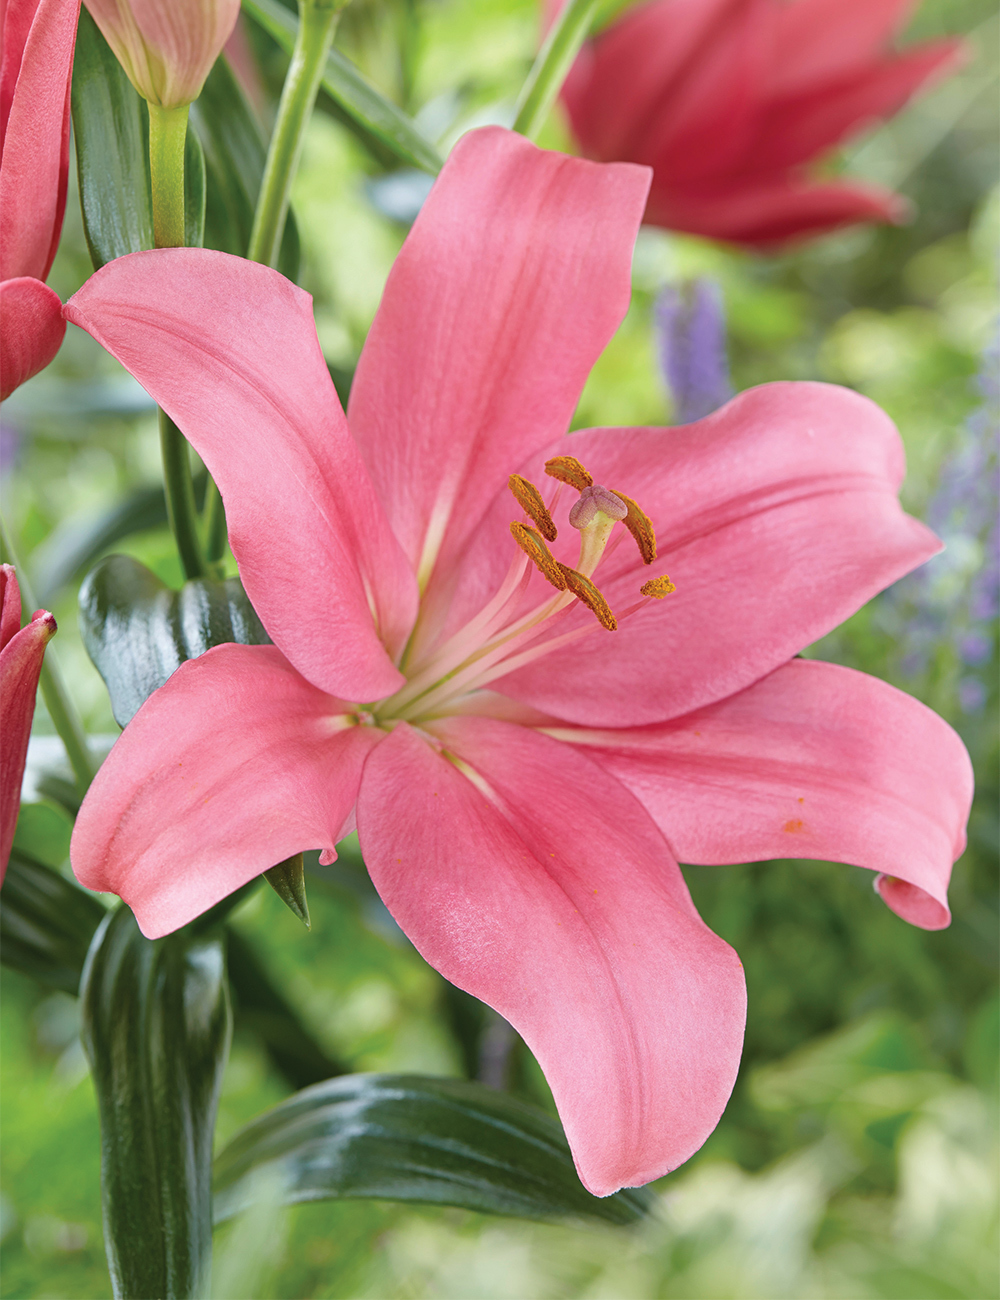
(167, 47)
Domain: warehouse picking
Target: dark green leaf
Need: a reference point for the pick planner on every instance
(235, 152)
(344, 83)
(46, 923)
(288, 880)
(414, 1138)
(111, 129)
(261, 1008)
(112, 150)
(138, 631)
(156, 1028)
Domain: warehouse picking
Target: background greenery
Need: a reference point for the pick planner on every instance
(857, 1157)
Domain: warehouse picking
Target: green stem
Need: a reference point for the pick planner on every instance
(64, 716)
(167, 132)
(214, 516)
(317, 20)
(554, 61)
(179, 488)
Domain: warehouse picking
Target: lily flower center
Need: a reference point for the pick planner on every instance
(501, 637)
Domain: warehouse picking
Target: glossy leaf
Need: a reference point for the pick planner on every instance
(46, 923)
(112, 150)
(235, 152)
(138, 631)
(156, 1029)
(414, 1138)
(359, 99)
(111, 130)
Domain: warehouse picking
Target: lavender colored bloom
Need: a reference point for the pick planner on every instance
(691, 330)
(953, 600)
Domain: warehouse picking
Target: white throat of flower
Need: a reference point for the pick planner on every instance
(496, 642)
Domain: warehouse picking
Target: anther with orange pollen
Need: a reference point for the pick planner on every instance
(594, 514)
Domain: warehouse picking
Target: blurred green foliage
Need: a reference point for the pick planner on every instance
(857, 1155)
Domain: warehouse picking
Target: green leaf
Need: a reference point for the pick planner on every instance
(414, 1138)
(111, 130)
(344, 83)
(138, 631)
(46, 923)
(156, 1029)
(288, 880)
(112, 150)
(235, 152)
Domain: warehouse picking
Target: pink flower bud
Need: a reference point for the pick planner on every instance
(21, 653)
(167, 47)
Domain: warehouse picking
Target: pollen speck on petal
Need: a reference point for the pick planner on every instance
(658, 587)
(567, 469)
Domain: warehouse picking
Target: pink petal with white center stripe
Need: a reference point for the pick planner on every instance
(815, 761)
(536, 882)
(232, 766)
(514, 277)
(229, 349)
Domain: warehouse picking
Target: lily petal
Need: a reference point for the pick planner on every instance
(771, 213)
(20, 666)
(235, 764)
(229, 349)
(536, 882)
(31, 330)
(34, 92)
(776, 518)
(508, 288)
(815, 761)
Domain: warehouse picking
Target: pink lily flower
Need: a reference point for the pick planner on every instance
(21, 652)
(36, 65)
(441, 573)
(730, 100)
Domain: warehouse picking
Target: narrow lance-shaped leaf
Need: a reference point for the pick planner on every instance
(343, 82)
(138, 631)
(414, 1138)
(46, 923)
(111, 130)
(156, 1028)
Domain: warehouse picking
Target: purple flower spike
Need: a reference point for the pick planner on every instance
(691, 330)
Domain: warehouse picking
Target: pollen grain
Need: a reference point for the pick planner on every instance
(567, 469)
(640, 526)
(530, 500)
(584, 590)
(533, 545)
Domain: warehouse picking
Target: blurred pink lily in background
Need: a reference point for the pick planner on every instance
(478, 656)
(36, 64)
(21, 652)
(730, 100)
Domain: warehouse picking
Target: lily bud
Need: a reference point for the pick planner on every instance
(167, 47)
(21, 653)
